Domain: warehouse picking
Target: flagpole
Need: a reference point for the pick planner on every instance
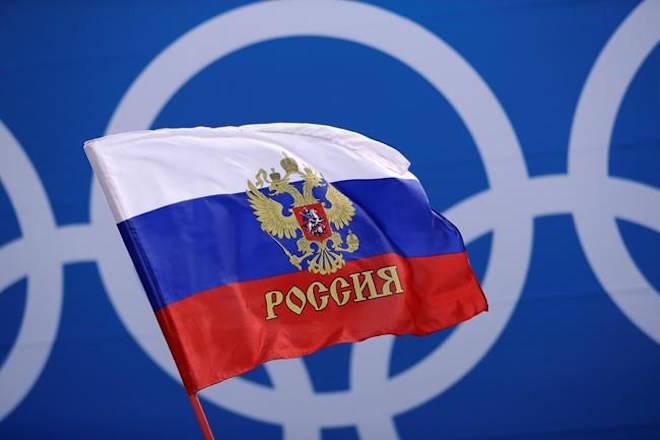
(201, 417)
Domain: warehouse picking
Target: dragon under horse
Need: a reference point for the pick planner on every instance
(320, 244)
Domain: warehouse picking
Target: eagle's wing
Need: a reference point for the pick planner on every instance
(341, 210)
(269, 214)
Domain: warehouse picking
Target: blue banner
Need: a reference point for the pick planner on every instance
(532, 125)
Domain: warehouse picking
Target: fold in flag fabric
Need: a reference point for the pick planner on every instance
(272, 241)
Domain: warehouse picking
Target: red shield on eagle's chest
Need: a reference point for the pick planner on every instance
(313, 221)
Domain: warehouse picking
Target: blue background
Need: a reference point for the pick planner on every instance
(569, 364)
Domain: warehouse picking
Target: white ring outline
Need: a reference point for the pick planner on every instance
(43, 304)
(588, 154)
(475, 104)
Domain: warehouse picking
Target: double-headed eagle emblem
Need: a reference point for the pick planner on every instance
(312, 223)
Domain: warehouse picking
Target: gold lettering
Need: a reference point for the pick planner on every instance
(346, 293)
(273, 298)
(362, 283)
(360, 287)
(312, 298)
(389, 275)
(295, 308)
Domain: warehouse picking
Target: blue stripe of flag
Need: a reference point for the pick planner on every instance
(198, 244)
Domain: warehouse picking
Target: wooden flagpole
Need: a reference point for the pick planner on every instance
(201, 417)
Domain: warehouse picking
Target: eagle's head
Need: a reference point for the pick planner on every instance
(278, 184)
(311, 178)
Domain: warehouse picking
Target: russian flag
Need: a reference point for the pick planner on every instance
(272, 241)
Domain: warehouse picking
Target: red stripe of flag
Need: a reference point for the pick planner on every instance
(228, 330)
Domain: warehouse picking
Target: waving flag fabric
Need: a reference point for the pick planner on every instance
(272, 241)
